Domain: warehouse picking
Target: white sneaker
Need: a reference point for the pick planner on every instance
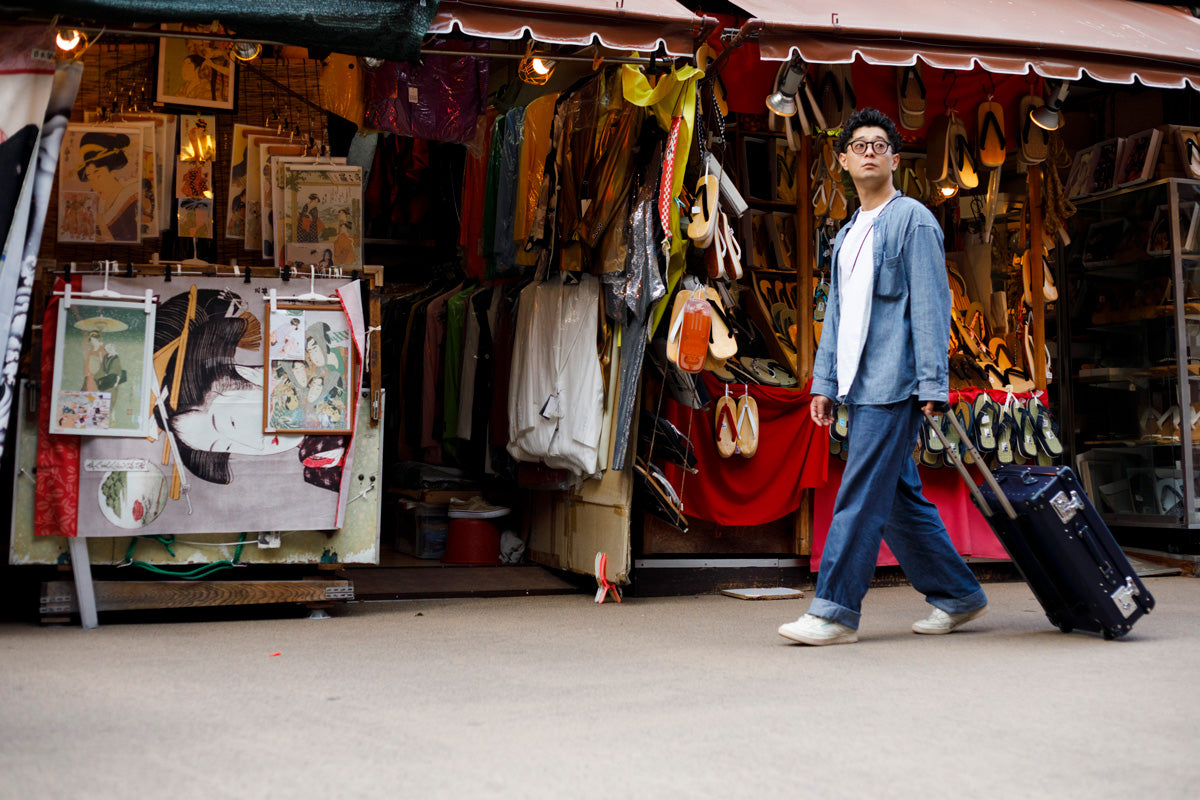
(817, 631)
(941, 622)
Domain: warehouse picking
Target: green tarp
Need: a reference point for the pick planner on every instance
(389, 29)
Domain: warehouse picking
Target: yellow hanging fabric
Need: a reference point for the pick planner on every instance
(673, 94)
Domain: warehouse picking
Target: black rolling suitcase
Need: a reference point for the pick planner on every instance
(1058, 542)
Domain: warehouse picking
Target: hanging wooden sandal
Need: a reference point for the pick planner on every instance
(747, 425)
(726, 426)
(991, 133)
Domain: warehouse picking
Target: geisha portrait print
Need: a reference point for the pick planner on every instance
(223, 473)
(100, 185)
(309, 370)
(102, 364)
(195, 72)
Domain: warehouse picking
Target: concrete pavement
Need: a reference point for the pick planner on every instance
(552, 697)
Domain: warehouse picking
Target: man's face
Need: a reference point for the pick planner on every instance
(869, 165)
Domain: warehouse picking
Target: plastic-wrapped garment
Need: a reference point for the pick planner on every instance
(506, 190)
(535, 144)
(475, 171)
(439, 98)
(495, 160)
(341, 87)
(556, 400)
(641, 287)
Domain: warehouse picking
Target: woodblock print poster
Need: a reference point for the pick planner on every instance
(101, 368)
(165, 127)
(227, 464)
(322, 210)
(253, 229)
(235, 216)
(277, 177)
(195, 72)
(100, 185)
(313, 393)
(267, 155)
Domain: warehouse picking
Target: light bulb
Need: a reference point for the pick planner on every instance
(68, 40)
(541, 67)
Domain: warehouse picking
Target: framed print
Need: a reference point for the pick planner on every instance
(1104, 240)
(195, 218)
(100, 185)
(1080, 177)
(277, 177)
(1104, 165)
(195, 72)
(235, 214)
(1158, 243)
(1139, 158)
(252, 231)
(309, 370)
(103, 368)
(322, 210)
(267, 152)
(1188, 141)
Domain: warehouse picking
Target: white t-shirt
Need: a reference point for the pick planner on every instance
(856, 274)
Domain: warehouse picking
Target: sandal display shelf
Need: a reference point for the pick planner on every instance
(1129, 311)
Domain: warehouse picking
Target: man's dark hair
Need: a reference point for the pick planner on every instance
(869, 118)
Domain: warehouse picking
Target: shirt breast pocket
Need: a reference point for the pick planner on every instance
(892, 282)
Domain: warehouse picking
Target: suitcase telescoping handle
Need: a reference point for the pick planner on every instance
(976, 495)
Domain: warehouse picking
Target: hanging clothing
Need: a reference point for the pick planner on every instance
(506, 191)
(437, 98)
(535, 144)
(475, 173)
(556, 402)
(431, 416)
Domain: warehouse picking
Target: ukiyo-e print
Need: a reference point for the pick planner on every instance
(254, 177)
(197, 137)
(100, 185)
(207, 441)
(101, 365)
(235, 216)
(267, 153)
(195, 72)
(277, 175)
(309, 370)
(322, 210)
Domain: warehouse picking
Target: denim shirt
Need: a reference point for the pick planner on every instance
(908, 333)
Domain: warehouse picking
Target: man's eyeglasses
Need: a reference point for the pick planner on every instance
(878, 146)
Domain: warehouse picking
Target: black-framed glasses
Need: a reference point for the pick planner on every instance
(878, 146)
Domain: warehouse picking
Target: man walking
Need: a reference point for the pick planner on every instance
(883, 354)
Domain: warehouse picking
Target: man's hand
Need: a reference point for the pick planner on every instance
(821, 410)
(930, 408)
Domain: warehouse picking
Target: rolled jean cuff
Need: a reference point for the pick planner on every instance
(958, 605)
(827, 609)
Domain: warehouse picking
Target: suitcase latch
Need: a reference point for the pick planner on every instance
(1066, 506)
(1123, 597)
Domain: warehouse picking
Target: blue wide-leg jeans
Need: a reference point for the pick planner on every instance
(880, 499)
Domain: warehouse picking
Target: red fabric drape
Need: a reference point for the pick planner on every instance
(793, 454)
(56, 500)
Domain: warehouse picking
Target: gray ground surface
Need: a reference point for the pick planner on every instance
(552, 697)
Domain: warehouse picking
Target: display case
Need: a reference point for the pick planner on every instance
(1129, 308)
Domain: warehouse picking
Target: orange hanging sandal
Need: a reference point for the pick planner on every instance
(696, 324)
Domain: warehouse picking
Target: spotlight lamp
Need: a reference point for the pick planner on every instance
(246, 51)
(536, 68)
(1048, 117)
(68, 40)
(783, 100)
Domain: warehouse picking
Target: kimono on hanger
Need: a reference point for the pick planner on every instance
(556, 400)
